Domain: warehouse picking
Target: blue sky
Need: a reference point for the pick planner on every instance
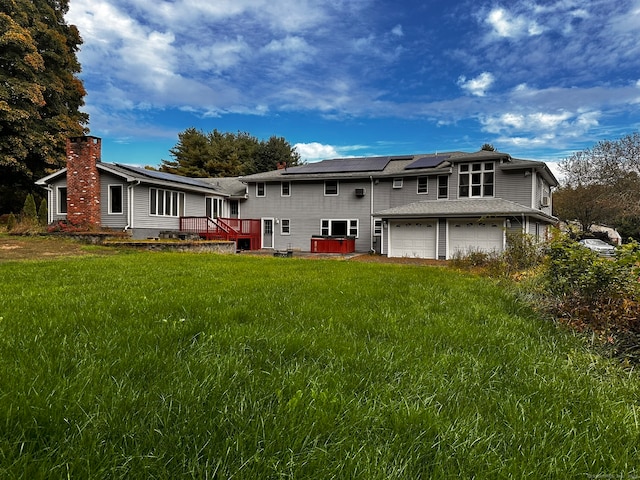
(337, 78)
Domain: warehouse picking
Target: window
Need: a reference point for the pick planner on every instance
(166, 203)
(443, 186)
(331, 187)
(476, 180)
(423, 185)
(339, 228)
(377, 228)
(115, 199)
(285, 226)
(261, 190)
(285, 189)
(397, 182)
(62, 200)
(213, 207)
(233, 208)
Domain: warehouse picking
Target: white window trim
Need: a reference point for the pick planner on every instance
(348, 222)
(282, 194)
(469, 173)
(337, 188)
(59, 197)
(377, 228)
(282, 222)
(438, 187)
(181, 198)
(398, 182)
(109, 194)
(426, 192)
(264, 189)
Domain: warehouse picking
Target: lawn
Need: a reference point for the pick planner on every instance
(175, 365)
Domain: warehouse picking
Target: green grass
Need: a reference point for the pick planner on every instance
(165, 365)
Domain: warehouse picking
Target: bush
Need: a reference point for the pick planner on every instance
(11, 222)
(523, 252)
(596, 294)
(43, 213)
(29, 210)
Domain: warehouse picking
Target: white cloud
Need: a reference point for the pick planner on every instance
(477, 86)
(397, 31)
(314, 151)
(507, 25)
(539, 129)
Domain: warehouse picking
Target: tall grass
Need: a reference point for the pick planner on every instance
(157, 365)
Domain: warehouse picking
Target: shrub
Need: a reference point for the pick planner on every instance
(11, 222)
(43, 213)
(523, 251)
(29, 210)
(597, 294)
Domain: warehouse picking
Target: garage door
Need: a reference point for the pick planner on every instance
(412, 238)
(471, 235)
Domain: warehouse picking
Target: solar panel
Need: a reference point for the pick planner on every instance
(427, 162)
(344, 165)
(169, 177)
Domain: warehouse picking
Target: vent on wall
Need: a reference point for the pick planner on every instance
(360, 192)
(545, 201)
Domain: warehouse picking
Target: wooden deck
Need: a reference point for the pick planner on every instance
(244, 232)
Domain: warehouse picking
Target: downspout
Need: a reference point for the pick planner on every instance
(130, 205)
(49, 190)
(372, 222)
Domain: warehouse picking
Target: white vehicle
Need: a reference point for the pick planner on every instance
(601, 248)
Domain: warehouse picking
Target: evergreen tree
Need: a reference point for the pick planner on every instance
(29, 210)
(219, 154)
(40, 95)
(43, 213)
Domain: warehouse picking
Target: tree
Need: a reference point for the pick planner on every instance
(40, 95)
(488, 147)
(219, 154)
(602, 184)
(43, 213)
(29, 212)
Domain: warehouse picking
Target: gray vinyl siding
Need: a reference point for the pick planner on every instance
(514, 186)
(113, 220)
(307, 206)
(442, 238)
(142, 219)
(53, 206)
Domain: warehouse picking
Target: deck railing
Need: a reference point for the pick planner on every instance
(245, 231)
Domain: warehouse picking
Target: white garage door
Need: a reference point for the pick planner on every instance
(412, 238)
(471, 235)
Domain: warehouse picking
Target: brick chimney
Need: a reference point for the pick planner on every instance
(83, 181)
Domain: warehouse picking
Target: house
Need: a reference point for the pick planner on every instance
(142, 202)
(428, 205)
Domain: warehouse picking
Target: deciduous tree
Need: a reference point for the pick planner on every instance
(602, 184)
(40, 94)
